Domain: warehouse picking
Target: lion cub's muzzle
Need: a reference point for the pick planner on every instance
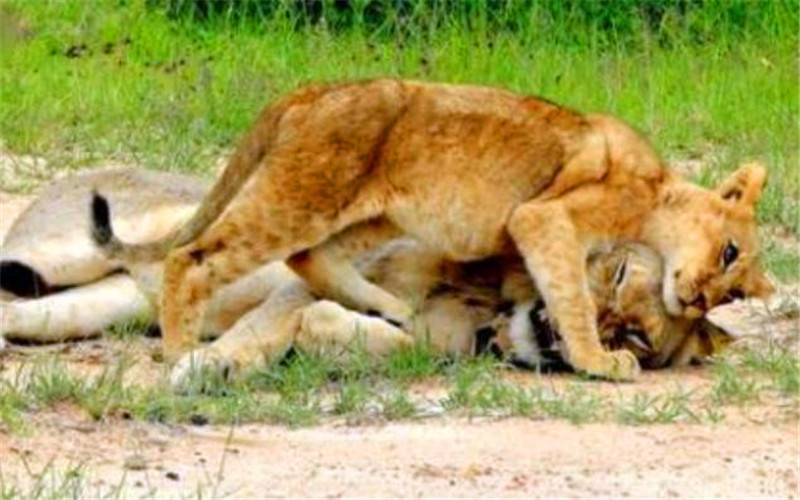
(695, 307)
(699, 305)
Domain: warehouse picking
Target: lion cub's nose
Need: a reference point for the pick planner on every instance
(699, 302)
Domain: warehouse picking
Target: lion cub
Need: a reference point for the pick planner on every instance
(472, 172)
(464, 310)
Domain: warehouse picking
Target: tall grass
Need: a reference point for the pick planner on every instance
(172, 83)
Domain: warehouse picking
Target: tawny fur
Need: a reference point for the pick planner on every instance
(471, 172)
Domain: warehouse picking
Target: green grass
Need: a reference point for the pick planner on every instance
(170, 93)
(128, 330)
(743, 378)
(71, 482)
(309, 389)
(75, 482)
(657, 409)
(782, 262)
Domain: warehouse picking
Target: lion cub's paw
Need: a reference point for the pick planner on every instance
(330, 328)
(619, 365)
(626, 366)
(198, 370)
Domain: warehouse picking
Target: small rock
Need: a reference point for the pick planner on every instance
(172, 476)
(85, 428)
(135, 462)
(158, 441)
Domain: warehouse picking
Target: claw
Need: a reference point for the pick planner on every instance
(636, 338)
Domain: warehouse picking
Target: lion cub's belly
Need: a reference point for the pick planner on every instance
(462, 228)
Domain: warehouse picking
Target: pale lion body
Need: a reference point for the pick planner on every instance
(471, 172)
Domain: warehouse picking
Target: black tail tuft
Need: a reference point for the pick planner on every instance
(22, 280)
(102, 232)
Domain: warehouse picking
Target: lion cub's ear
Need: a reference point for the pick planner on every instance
(745, 184)
(621, 272)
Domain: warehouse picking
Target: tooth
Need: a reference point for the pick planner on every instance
(638, 342)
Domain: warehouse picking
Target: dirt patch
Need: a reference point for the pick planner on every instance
(22, 172)
(439, 458)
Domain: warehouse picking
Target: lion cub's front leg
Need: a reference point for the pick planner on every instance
(548, 240)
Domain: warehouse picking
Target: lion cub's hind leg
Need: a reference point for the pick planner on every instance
(194, 272)
(289, 318)
(330, 329)
(263, 335)
(329, 270)
(318, 154)
(261, 227)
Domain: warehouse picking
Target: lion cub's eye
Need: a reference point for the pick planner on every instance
(729, 254)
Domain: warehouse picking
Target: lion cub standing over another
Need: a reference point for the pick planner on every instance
(332, 170)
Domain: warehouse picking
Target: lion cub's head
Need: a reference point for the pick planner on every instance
(625, 281)
(626, 284)
(709, 242)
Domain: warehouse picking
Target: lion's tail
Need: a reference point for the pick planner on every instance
(241, 166)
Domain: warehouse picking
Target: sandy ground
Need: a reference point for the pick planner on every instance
(436, 457)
